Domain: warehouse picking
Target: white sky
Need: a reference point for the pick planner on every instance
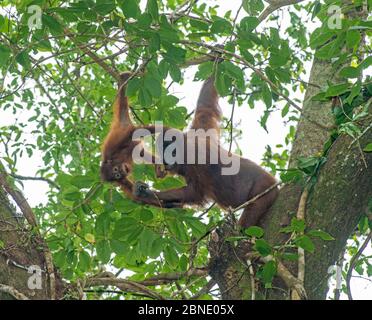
(253, 141)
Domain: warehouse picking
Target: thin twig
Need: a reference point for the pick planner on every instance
(353, 263)
(263, 77)
(51, 182)
(205, 290)
(245, 204)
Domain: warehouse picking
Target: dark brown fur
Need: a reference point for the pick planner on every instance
(117, 148)
(204, 181)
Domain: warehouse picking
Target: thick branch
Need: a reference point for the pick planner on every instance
(30, 217)
(124, 285)
(13, 292)
(51, 182)
(275, 5)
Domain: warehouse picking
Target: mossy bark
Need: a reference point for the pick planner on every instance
(335, 204)
(19, 250)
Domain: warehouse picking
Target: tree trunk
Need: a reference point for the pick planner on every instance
(18, 251)
(335, 204)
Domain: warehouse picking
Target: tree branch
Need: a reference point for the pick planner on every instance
(13, 292)
(31, 219)
(19, 177)
(272, 85)
(174, 276)
(275, 5)
(108, 279)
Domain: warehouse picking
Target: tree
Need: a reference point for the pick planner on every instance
(60, 62)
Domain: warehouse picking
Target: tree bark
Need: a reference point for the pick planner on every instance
(19, 249)
(335, 204)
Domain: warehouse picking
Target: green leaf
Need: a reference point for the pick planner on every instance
(199, 25)
(337, 89)
(316, 9)
(254, 232)
(285, 110)
(171, 256)
(154, 43)
(124, 205)
(234, 73)
(198, 228)
(119, 247)
(177, 228)
(103, 251)
(146, 215)
(146, 240)
(82, 181)
(84, 261)
(153, 86)
(355, 90)
(367, 62)
(104, 7)
(152, 9)
(305, 243)
(222, 82)
(89, 237)
(297, 225)
(183, 263)
(318, 38)
(169, 182)
(277, 59)
(268, 272)
(176, 118)
(266, 95)
(94, 192)
(5, 53)
(235, 238)
(248, 24)
(320, 234)
(163, 68)
(144, 97)
(353, 38)
(72, 196)
(204, 70)
(53, 24)
(247, 55)
(253, 6)
(263, 248)
(125, 227)
(102, 226)
(59, 258)
(221, 26)
(130, 8)
(132, 86)
(157, 248)
(175, 72)
(350, 72)
(368, 147)
(23, 59)
(292, 175)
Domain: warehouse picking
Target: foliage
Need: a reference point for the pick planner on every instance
(66, 97)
